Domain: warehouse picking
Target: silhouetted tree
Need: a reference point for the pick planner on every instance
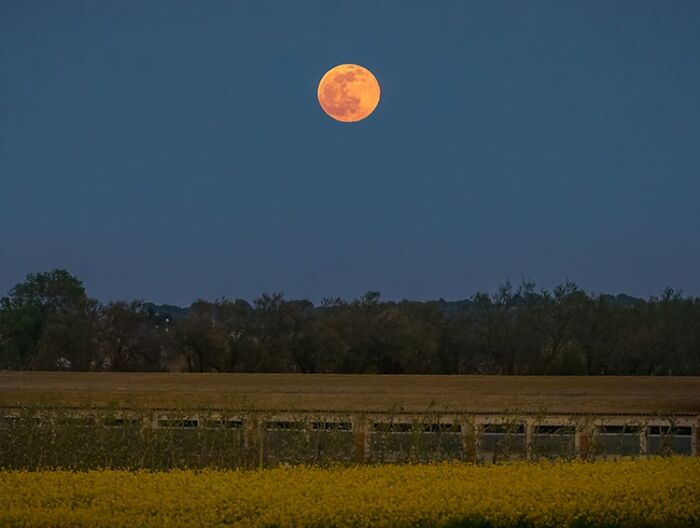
(46, 322)
(49, 322)
(129, 341)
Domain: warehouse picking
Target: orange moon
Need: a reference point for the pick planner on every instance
(348, 93)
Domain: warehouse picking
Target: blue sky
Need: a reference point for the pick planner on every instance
(175, 150)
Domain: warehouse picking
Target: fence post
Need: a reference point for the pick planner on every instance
(252, 438)
(529, 430)
(643, 440)
(469, 440)
(360, 438)
(583, 441)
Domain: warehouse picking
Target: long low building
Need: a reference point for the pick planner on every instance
(384, 418)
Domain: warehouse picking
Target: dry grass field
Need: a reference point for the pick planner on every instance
(347, 393)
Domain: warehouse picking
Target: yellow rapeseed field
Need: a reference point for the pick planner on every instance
(653, 492)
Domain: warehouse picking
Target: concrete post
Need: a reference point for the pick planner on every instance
(148, 422)
(643, 440)
(249, 426)
(529, 431)
(469, 440)
(360, 438)
(583, 442)
(253, 432)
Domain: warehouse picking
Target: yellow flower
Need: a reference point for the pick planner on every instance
(657, 492)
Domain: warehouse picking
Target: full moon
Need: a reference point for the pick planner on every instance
(348, 93)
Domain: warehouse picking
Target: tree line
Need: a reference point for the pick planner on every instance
(48, 322)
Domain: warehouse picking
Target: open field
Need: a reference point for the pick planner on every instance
(652, 492)
(348, 393)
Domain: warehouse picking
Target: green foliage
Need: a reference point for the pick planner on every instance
(45, 323)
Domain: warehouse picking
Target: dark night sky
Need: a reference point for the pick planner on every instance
(175, 150)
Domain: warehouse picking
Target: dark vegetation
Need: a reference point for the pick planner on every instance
(48, 322)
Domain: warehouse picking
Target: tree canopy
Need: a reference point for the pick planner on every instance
(48, 322)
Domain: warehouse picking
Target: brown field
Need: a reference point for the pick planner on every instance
(348, 393)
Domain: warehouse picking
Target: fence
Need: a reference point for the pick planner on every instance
(33, 438)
